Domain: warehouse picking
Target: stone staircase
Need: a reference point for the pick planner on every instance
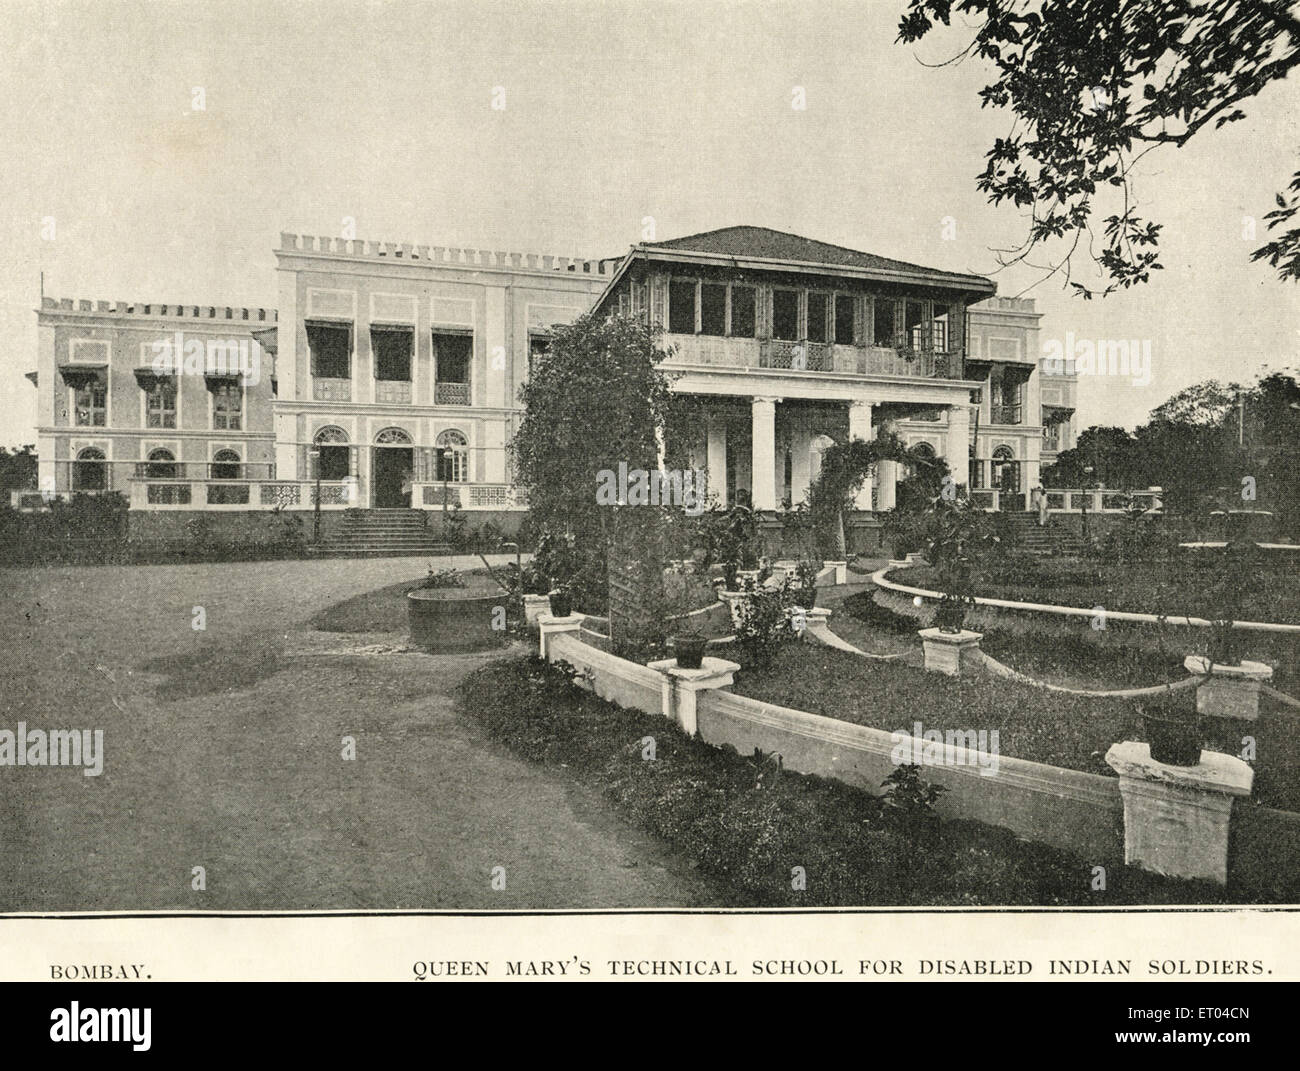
(383, 533)
(1054, 538)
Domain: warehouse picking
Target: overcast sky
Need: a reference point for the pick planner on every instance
(614, 111)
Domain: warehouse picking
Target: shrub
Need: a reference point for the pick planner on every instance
(764, 618)
(441, 578)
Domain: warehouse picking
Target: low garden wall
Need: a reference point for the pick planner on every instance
(1079, 812)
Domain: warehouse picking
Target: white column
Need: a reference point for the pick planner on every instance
(717, 458)
(860, 428)
(763, 459)
(888, 484)
(957, 443)
(800, 471)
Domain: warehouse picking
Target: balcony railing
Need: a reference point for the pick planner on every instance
(203, 470)
(393, 391)
(469, 496)
(1069, 500)
(799, 356)
(779, 354)
(331, 390)
(1004, 414)
(446, 393)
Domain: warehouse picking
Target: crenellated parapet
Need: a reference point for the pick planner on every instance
(150, 310)
(406, 252)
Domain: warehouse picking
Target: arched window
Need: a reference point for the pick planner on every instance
(335, 460)
(161, 465)
(816, 449)
(90, 470)
(453, 457)
(225, 465)
(921, 455)
(1005, 470)
(393, 437)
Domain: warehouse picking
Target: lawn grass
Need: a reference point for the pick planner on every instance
(1173, 587)
(1033, 723)
(748, 823)
(1073, 650)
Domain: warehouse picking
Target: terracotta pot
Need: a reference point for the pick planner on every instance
(1173, 741)
(561, 604)
(689, 649)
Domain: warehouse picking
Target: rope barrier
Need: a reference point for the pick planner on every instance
(1281, 697)
(1002, 670)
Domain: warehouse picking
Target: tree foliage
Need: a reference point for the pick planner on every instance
(17, 469)
(1093, 86)
(1200, 446)
(845, 468)
(596, 399)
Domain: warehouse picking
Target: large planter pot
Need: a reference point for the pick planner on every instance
(450, 619)
(1173, 741)
(561, 604)
(689, 649)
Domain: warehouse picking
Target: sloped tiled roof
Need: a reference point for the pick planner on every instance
(778, 245)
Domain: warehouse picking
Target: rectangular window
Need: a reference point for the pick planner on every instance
(681, 306)
(742, 311)
(160, 403)
(785, 315)
(452, 353)
(91, 401)
(939, 333)
(844, 319)
(228, 407)
(452, 464)
(914, 325)
(331, 350)
(713, 308)
(883, 321)
(818, 313)
(392, 349)
(538, 345)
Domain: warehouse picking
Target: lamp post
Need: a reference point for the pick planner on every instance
(1087, 495)
(314, 454)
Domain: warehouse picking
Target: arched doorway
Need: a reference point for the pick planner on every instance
(225, 465)
(334, 460)
(90, 471)
(161, 465)
(392, 469)
(1005, 471)
(452, 453)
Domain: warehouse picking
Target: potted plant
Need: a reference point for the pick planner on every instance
(950, 614)
(686, 639)
(1173, 733)
(806, 574)
(561, 600)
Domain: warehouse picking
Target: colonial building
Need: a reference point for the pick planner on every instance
(388, 375)
(790, 344)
